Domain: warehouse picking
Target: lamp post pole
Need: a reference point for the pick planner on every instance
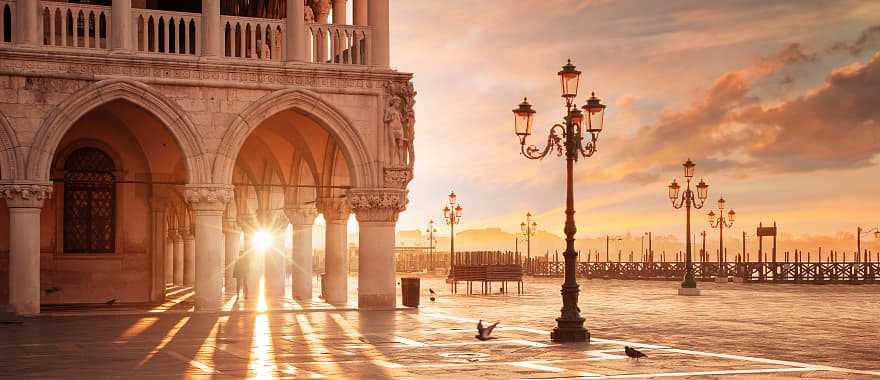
(452, 216)
(575, 138)
(688, 200)
(860, 232)
(720, 222)
(528, 228)
(431, 232)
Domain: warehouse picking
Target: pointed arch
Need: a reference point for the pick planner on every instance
(361, 167)
(10, 167)
(63, 117)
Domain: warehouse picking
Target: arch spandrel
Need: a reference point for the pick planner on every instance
(10, 165)
(363, 167)
(63, 117)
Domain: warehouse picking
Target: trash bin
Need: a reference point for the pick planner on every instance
(323, 278)
(409, 291)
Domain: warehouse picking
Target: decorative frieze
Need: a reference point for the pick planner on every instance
(25, 195)
(377, 205)
(208, 197)
(397, 177)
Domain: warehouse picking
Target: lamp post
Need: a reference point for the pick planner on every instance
(528, 227)
(452, 215)
(860, 232)
(575, 138)
(650, 252)
(720, 222)
(688, 200)
(432, 232)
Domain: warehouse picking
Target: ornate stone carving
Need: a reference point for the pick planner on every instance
(25, 195)
(320, 10)
(208, 197)
(334, 209)
(397, 178)
(400, 122)
(301, 216)
(377, 205)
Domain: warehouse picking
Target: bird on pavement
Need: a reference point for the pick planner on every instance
(633, 353)
(483, 332)
(52, 290)
(433, 299)
(431, 291)
(111, 302)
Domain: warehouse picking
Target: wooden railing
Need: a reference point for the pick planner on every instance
(165, 32)
(79, 26)
(7, 26)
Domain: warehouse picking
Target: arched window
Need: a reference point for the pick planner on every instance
(89, 202)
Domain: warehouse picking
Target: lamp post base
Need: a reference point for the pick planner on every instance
(688, 291)
(570, 331)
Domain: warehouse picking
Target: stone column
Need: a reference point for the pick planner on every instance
(24, 202)
(212, 31)
(231, 251)
(360, 12)
(169, 257)
(249, 225)
(377, 17)
(178, 257)
(158, 207)
(208, 203)
(340, 14)
(189, 256)
(120, 25)
(336, 211)
(27, 23)
(296, 32)
(302, 219)
(273, 258)
(376, 211)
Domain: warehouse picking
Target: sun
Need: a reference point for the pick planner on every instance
(262, 240)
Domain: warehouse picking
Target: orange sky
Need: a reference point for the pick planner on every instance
(775, 101)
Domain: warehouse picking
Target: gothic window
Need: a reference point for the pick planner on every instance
(89, 202)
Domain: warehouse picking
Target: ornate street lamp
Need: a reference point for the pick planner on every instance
(528, 227)
(859, 233)
(720, 222)
(688, 200)
(575, 138)
(431, 231)
(452, 216)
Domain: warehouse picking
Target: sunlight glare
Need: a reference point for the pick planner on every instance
(262, 240)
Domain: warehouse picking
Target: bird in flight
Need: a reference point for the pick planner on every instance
(483, 332)
(633, 353)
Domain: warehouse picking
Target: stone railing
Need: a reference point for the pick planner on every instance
(7, 10)
(166, 32)
(334, 43)
(253, 38)
(75, 25)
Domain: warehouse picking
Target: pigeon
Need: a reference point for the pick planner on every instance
(633, 353)
(52, 290)
(484, 332)
(431, 291)
(111, 302)
(433, 299)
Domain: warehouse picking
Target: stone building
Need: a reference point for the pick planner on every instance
(143, 146)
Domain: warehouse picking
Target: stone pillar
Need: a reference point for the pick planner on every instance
(157, 248)
(208, 203)
(377, 17)
(336, 211)
(273, 258)
(376, 211)
(27, 23)
(360, 12)
(296, 32)
(120, 25)
(231, 251)
(189, 257)
(302, 219)
(249, 225)
(169, 257)
(178, 257)
(340, 14)
(212, 31)
(24, 202)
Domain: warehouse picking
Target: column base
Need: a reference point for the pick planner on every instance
(377, 301)
(688, 291)
(570, 335)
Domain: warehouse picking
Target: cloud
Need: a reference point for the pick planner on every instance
(869, 39)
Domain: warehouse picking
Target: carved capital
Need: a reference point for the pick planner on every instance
(208, 197)
(272, 219)
(230, 225)
(25, 195)
(377, 205)
(397, 177)
(334, 209)
(301, 216)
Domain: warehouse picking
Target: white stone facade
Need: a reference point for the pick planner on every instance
(206, 149)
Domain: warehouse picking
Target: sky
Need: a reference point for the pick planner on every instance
(775, 101)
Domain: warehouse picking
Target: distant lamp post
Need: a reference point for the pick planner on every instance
(859, 233)
(720, 222)
(528, 227)
(452, 215)
(687, 200)
(432, 233)
(575, 138)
